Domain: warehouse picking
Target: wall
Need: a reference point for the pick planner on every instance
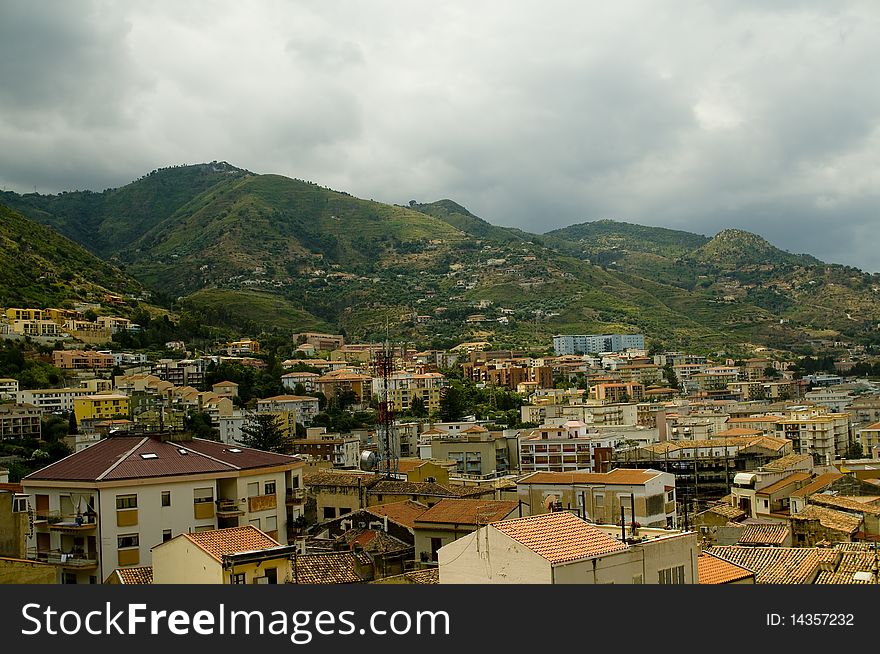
(15, 571)
(13, 529)
(180, 561)
(467, 561)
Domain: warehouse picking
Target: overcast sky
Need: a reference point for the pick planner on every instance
(694, 115)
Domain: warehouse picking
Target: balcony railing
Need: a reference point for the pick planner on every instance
(227, 508)
(295, 495)
(76, 559)
(262, 502)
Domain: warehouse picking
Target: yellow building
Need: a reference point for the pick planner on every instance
(24, 314)
(100, 407)
(236, 555)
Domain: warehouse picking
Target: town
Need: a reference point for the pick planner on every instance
(593, 459)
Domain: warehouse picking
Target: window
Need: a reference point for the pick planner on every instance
(672, 575)
(166, 535)
(329, 512)
(255, 523)
(126, 502)
(237, 578)
(127, 540)
(253, 489)
(203, 495)
(166, 498)
(271, 575)
(271, 523)
(269, 488)
(599, 500)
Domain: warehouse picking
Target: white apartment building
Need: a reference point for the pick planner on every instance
(596, 343)
(52, 400)
(106, 506)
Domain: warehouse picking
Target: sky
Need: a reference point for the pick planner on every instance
(757, 115)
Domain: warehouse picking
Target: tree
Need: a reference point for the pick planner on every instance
(854, 450)
(299, 389)
(261, 431)
(417, 407)
(451, 404)
(72, 427)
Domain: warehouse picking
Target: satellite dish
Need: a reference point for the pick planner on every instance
(368, 460)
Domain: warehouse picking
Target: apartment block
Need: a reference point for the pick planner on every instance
(82, 359)
(595, 343)
(105, 507)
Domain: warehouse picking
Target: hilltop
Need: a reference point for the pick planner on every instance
(732, 248)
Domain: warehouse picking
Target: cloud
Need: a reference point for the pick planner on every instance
(763, 116)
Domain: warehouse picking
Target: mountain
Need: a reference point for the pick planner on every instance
(732, 248)
(258, 252)
(39, 267)
(107, 222)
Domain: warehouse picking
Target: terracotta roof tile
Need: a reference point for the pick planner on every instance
(793, 478)
(231, 540)
(142, 575)
(827, 578)
(403, 513)
(764, 534)
(333, 568)
(426, 488)
(350, 479)
(468, 512)
(829, 518)
(618, 476)
(560, 537)
(820, 483)
(727, 511)
(787, 462)
(713, 570)
(847, 503)
(774, 565)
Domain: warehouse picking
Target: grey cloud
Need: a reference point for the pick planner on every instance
(763, 116)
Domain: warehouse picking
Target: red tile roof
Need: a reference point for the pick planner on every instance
(468, 512)
(712, 570)
(764, 534)
(142, 575)
(333, 568)
(618, 476)
(403, 513)
(560, 537)
(120, 457)
(231, 540)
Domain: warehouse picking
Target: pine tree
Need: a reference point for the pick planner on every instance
(261, 431)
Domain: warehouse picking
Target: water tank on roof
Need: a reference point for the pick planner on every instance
(745, 479)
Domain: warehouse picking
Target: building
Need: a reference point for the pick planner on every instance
(404, 387)
(53, 400)
(824, 436)
(243, 347)
(477, 452)
(599, 497)
(19, 421)
(452, 518)
(101, 407)
(343, 381)
(307, 379)
(612, 393)
(225, 389)
(596, 343)
(235, 555)
(82, 360)
(303, 407)
(341, 451)
(715, 570)
(328, 342)
(8, 388)
(563, 448)
(105, 507)
(560, 548)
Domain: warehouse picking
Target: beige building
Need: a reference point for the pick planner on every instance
(52, 400)
(477, 452)
(450, 519)
(105, 507)
(236, 555)
(599, 497)
(19, 421)
(560, 548)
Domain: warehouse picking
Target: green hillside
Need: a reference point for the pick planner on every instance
(109, 221)
(611, 235)
(733, 248)
(39, 267)
(266, 252)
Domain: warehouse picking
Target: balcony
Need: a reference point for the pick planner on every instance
(262, 503)
(78, 559)
(228, 509)
(295, 496)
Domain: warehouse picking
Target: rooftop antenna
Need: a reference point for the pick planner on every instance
(383, 364)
